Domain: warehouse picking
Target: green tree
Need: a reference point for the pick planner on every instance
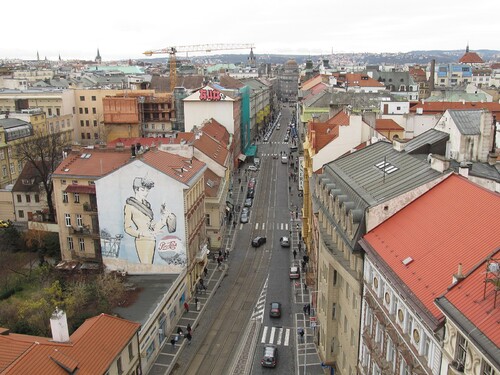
(44, 151)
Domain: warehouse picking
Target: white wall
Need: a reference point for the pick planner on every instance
(195, 112)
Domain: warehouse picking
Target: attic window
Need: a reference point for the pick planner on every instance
(27, 181)
(386, 167)
(407, 261)
(210, 183)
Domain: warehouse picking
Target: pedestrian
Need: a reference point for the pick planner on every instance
(188, 336)
(186, 307)
(189, 329)
(294, 253)
(179, 331)
(241, 187)
(205, 271)
(172, 341)
(239, 180)
(300, 245)
(234, 223)
(305, 309)
(226, 254)
(197, 303)
(301, 334)
(220, 252)
(308, 309)
(305, 287)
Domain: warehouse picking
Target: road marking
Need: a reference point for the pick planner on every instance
(264, 334)
(271, 337)
(287, 337)
(256, 226)
(280, 333)
(263, 226)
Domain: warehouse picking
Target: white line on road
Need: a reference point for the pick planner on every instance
(280, 333)
(286, 226)
(271, 337)
(287, 337)
(264, 334)
(256, 226)
(263, 226)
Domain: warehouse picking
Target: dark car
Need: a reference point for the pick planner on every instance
(250, 193)
(275, 311)
(270, 357)
(257, 241)
(251, 183)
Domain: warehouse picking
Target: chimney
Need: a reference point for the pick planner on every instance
(439, 163)
(398, 144)
(464, 169)
(59, 326)
(459, 275)
(431, 78)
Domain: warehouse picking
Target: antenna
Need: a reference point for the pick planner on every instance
(492, 277)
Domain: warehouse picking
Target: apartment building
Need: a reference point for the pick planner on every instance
(353, 194)
(417, 255)
(288, 78)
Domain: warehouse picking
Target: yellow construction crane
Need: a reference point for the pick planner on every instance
(195, 48)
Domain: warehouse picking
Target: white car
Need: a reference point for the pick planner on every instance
(252, 168)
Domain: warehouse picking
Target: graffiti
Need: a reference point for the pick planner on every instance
(211, 95)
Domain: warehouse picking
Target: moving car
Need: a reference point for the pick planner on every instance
(294, 272)
(275, 311)
(252, 168)
(256, 162)
(259, 240)
(270, 357)
(285, 242)
(284, 159)
(248, 202)
(286, 138)
(245, 213)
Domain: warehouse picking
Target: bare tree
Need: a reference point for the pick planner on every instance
(44, 151)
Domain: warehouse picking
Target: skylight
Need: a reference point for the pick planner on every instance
(386, 167)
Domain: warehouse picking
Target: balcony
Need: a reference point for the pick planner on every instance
(88, 207)
(84, 231)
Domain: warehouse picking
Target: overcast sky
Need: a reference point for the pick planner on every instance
(123, 30)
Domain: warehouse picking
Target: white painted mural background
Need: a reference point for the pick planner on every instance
(142, 224)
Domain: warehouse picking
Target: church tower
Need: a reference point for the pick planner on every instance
(98, 58)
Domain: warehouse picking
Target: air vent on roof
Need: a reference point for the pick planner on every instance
(407, 261)
(210, 183)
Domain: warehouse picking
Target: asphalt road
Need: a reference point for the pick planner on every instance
(217, 338)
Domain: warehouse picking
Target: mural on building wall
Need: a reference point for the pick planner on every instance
(140, 232)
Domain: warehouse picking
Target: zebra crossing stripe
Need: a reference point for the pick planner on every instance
(263, 226)
(280, 333)
(264, 334)
(256, 226)
(287, 337)
(271, 337)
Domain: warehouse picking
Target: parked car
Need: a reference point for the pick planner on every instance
(252, 168)
(285, 242)
(259, 240)
(284, 159)
(286, 138)
(256, 162)
(245, 214)
(4, 224)
(294, 272)
(251, 183)
(270, 357)
(275, 311)
(250, 193)
(248, 202)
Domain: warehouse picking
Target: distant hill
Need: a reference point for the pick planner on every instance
(412, 57)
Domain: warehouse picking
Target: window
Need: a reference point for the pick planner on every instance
(58, 112)
(28, 198)
(94, 110)
(67, 220)
(82, 98)
(12, 168)
(404, 369)
(82, 123)
(71, 246)
(82, 135)
(96, 135)
(49, 111)
(93, 98)
(4, 171)
(37, 198)
(86, 111)
(130, 352)
(19, 166)
(95, 122)
(119, 365)
(80, 110)
(461, 352)
(65, 197)
(81, 243)
(207, 219)
(20, 213)
(79, 220)
(76, 197)
(334, 277)
(486, 369)
(19, 198)
(352, 337)
(63, 182)
(88, 135)
(87, 122)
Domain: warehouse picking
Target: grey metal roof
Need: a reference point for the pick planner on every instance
(467, 122)
(482, 170)
(359, 171)
(7, 123)
(430, 137)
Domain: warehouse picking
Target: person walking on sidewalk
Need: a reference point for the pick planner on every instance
(301, 334)
(294, 253)
(189, 329)
(186, 307)
(188, 337)
(205, 271)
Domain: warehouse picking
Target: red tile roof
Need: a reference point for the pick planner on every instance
(442, 107)
(212, 148)
(387, 124)
(212, 183)
(322, 133)
(358, 80)
(216, 130)
(471, 58)
(82, 189)
(178, 167)
(454, 222)
(92, 349)
(468, 297)
(100, 163)
(341, 118)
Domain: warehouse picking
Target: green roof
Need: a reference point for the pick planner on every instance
(309, 112)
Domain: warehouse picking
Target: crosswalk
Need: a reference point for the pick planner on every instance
(275, 335)
(271, 226)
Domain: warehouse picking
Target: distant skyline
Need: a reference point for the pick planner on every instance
(319, 27)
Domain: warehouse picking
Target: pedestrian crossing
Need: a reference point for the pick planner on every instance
(275, 335)
(260, 306)
(272, 226)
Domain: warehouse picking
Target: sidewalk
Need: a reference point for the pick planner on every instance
(166, 359)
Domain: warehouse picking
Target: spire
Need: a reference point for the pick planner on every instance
(467, 48)
(98, 58)
(59, 57)
(37, 56)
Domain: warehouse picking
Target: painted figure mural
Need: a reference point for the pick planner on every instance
(139, 220)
